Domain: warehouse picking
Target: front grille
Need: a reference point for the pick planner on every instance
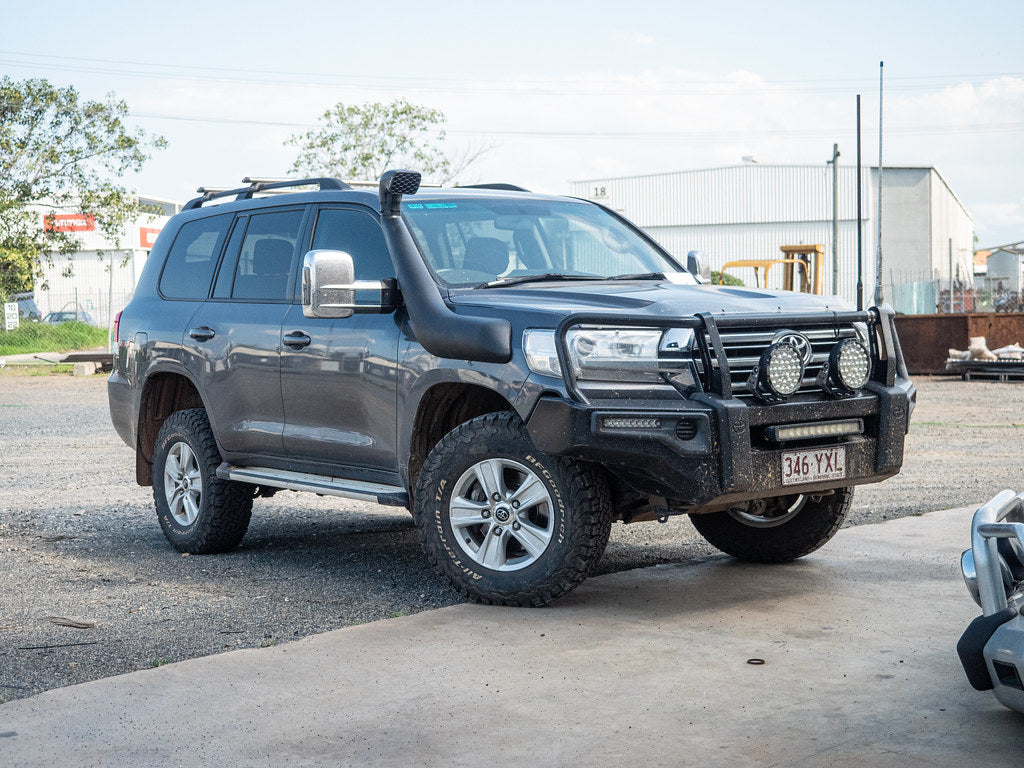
(743, 348)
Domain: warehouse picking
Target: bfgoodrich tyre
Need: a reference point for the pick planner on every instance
(778, 529)
(198, 512)
(504, 523)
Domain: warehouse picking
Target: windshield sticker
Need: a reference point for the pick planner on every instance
(442, 205)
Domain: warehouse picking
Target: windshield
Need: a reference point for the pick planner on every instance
(478, 241)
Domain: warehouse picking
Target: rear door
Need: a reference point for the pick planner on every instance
(340, 386)
(235, 336)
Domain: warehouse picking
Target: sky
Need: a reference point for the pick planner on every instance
(553, 92)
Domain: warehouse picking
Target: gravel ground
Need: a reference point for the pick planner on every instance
(80, 544)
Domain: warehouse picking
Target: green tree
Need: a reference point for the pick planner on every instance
(362, 141)
(727, 279)
(60, 154)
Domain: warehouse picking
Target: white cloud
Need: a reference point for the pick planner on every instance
(638, 39)
(547, 131)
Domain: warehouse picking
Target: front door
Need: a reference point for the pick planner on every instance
(339, 376)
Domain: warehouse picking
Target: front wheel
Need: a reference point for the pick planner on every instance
(778, 529)
(504, 523)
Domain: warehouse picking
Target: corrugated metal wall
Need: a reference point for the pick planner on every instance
(749, 211)
(746, 194)
(83, 280)
(724, 243)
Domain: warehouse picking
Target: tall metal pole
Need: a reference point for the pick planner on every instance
(878, 249)
(860, 243)
(835, 219)
(951, 275)
(110, 306)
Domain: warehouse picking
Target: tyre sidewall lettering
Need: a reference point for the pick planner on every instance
(165, 446)
(456, 557)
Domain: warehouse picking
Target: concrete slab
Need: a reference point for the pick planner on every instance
(647, 667)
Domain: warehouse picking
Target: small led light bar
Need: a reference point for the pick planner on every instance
(629, 422)
(781, 434)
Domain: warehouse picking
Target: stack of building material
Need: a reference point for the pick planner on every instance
(978, 361)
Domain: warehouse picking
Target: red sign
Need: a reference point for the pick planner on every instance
(69, 222)
(147, 236)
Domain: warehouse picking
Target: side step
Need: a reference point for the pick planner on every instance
(391, 495)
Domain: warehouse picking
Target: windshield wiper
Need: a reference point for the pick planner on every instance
(639, 276)
(502, 282)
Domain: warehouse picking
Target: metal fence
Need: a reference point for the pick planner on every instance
(932, 297)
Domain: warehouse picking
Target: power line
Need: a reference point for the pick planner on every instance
(563, 87)
(708, 135)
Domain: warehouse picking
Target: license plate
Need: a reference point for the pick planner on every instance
(813, 465)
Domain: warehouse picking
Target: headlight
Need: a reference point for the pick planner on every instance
(620, 355)
(782, 368)
(850, 363)
(541, 353)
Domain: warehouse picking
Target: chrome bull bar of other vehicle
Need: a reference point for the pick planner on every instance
(986, 572)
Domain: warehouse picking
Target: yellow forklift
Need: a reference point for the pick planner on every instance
(801, 268)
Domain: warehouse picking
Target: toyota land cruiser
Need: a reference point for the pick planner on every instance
(519, 370)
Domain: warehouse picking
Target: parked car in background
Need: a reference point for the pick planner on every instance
(68, 316)
(27, 307)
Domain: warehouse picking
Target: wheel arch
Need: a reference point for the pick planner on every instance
(441, 409)
(163, 393)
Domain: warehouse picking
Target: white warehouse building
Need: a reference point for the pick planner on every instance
(749, 211)
(101, 277)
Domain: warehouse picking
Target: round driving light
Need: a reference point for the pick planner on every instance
(850, 363)
(783, 369)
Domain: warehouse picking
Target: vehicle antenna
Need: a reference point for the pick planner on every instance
(860, 239)
(878, 249)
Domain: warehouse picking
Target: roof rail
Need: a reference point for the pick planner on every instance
(260, 185)
(499, 185)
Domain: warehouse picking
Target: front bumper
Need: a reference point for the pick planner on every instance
(713, 451)
(992, 648)
(714, 446)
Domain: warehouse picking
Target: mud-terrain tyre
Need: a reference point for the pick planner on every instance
(505, 523)
(775, 530)
(198, 512)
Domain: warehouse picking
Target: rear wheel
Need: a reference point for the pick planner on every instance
(777, 529)
(198, 512)
(504, 523)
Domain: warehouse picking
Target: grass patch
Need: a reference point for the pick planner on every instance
(37, 369)
(158, 663)
(42, 337)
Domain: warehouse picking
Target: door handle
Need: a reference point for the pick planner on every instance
(203, 333)
(296, 340)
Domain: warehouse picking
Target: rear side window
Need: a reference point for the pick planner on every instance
(193, 258)
(267, 258)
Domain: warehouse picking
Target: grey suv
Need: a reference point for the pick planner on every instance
(519, 370)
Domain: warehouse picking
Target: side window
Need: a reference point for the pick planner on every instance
(360, 236)
(226, 273)
(193, 257)
(267, 258)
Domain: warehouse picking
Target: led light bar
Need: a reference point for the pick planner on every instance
(815, 429)
(626, 422)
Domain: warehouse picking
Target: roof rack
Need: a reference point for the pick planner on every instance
(499, 185)
(260, 185)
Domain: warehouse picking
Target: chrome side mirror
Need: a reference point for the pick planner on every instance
(697, 265)
(329, 287)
